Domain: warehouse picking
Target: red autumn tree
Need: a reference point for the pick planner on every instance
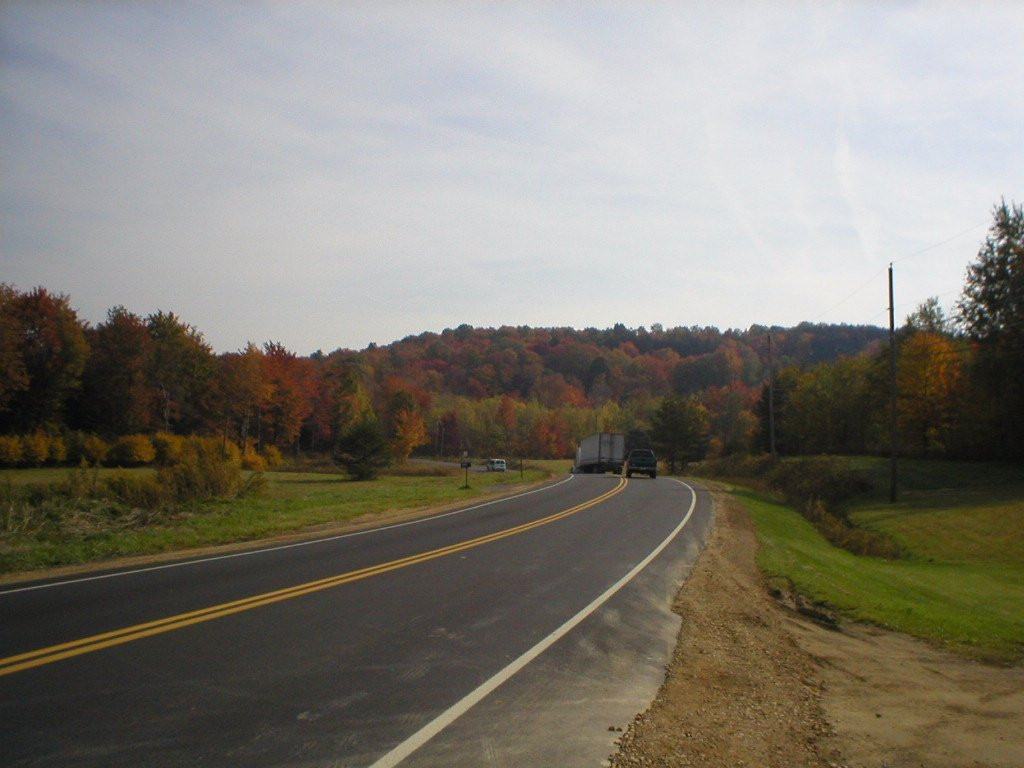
(290, 382)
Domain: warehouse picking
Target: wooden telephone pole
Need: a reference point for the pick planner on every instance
(892, 394)
(771, 399)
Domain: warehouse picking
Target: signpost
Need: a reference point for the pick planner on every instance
(466, 464)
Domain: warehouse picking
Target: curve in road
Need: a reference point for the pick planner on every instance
(342, 650)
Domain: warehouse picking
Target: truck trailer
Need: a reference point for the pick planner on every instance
(600, 453)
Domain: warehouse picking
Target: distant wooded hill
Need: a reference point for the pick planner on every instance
(511, 389)
(535, 391)
(577, 367)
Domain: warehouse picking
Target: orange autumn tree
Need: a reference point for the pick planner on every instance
(408, 429)
(551, 438)
(410, 432)
(291, 386)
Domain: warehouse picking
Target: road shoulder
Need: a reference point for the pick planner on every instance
(753, 683)
(738, 691)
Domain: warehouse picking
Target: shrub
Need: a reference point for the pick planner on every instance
(817, 487)
(208, 469)
(58, 450)
(841, 533)
(227, 449)
(131, 451)
(737, 466)
(82, 482)
(824, 478)
(168, 448)
(16, 514)
(272, 455)
(74, 443)
(35, 449)
(10, 450)
(254, 462)
(142, 492)
(94, 449)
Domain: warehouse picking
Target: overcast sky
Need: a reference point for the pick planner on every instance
(333, 174)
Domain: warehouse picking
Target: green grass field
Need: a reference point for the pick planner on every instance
(962, 582)
(293, 501)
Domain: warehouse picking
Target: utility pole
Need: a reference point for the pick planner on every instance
(892, 393)
(771, 399)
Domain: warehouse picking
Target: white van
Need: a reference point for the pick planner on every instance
(495, 465)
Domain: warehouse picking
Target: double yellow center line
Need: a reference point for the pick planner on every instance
(53, 653)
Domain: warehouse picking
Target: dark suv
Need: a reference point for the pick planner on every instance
(641, 461)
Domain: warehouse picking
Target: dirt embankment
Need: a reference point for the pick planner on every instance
(755, 684)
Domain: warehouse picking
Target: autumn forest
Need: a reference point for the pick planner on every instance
(534, 392)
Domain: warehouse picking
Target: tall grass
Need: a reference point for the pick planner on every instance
(110, 513)
(85, 505)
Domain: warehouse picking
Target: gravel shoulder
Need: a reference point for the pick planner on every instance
(753, 682)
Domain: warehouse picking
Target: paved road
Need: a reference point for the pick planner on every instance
(511, 632)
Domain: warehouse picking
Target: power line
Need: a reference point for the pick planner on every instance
(871, 279)
(938, 245)
(853, 293)
(904, 304)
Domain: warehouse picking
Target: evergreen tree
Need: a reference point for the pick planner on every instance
(363, 449)
(991, 313)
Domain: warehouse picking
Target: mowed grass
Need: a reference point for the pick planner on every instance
(292, 502)
(948, 511)
(961, 583)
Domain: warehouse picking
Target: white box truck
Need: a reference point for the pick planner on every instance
(600, 453)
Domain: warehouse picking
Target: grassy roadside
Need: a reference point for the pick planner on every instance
(293, 501)
(961, 581)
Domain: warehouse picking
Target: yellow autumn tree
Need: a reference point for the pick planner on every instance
(929, 376)
(410, 432)
(508, 422)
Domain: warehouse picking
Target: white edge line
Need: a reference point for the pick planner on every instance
(247, 553)
(453, 713)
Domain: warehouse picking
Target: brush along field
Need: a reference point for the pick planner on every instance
(76, 533)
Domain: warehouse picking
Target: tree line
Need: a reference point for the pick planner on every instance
(959, 379)
(507, 391)
(536, 391)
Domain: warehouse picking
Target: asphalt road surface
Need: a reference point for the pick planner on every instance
(518, 631)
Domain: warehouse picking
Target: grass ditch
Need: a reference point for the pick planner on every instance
(959, 581)
(51, 517)
(821, 488)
